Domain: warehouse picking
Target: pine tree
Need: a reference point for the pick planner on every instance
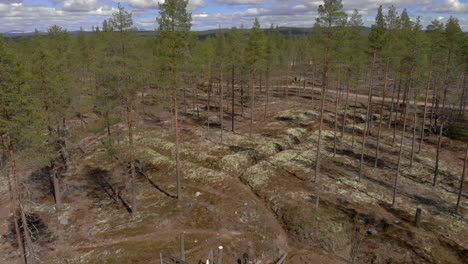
(453, 37)
(376, 42)
(51, 81)
(220, 62)
(270, 52)
(330, 16)
(353, 57)
(174, 26)
(235, 60)
(20, 125)
(254, 60)
(121, 23)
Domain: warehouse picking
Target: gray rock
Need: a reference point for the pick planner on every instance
(372, 231)
(52, 210)
(64, 221)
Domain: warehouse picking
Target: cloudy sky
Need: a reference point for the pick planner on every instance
(27, 15)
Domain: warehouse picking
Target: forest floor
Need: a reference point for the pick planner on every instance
(254, 195)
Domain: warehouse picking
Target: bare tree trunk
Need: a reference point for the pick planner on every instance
(221, 112)
(241, 93)
(131, 154)
(442, 123)
(14, 211)
(233, 98)
(210, 88)
(379, 133)
(353, 129)
(267, 91)
(414, 129)
(19, 239)
(56, 183)
(395, 184)
(368, 117)
(185, 103)
(439, 146)
(322, 108)
(423, 124)
(464, 94)
(252, 101)
(194, 94)
(287, 81)
(434, 104)
(177, 146)
(392, 104)
(197, 104)
(337, 100)
(343, 123)
(396, 111)
(462, 180)
(26, 246)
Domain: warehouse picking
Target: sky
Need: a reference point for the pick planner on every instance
(28, 15)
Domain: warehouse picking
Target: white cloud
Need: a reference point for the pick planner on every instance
(153, 4)
(144, 4)
(240, 2)
(78, 5)
(299, 8)
(195, 4)
(448, 6)
(71, 14)
(27, 18)
(10, 1)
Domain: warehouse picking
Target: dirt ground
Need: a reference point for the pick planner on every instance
(253, 195)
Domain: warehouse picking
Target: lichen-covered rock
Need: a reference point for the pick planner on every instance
(297, 133)
(236, 163)
(294, 117)
(193, 172)
(268, 149)
(258, 175)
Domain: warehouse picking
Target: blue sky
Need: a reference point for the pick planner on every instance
(27, 15)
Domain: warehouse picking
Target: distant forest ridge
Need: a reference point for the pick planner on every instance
(286, 31)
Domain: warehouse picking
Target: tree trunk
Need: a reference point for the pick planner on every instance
(396, 111)
(379, 133)
(395, 184)
(233, 99)
(132, 155)
(337, 101)
(368, 117)
(108, 124)
(353, 129)
(423, 124)
(14, 209)
(414, 130)
(462, 180)
(322, 108)
(392, 104)
(464, 95)
(252, 101)
(210, 87)
(442, 123)
(26, 246)
(242, 93)
(177, 147)
(221, 114)
(287, 81)
(343, 123)
(56, 184)
(267, 91)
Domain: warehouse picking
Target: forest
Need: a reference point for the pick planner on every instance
(340, 144)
